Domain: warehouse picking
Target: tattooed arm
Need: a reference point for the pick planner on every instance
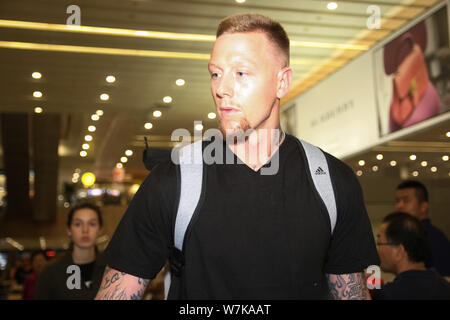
(118, 285)
(350, 286)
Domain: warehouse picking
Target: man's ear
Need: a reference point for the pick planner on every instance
(284, 81)
(424, 207)
(400, 253)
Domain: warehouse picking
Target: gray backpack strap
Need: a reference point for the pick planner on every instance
(191, 174)
(320, 175)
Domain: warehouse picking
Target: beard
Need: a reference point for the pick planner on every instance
(237, 131)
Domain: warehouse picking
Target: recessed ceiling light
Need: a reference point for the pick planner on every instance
(361, 162)
(415, 173)
(36, 75)
(88, 137)
(412, 157)
(445, 158)
(433, 169)
(129, 153)
(379, 156)
(393, 163)
(359, 173)
(424, 163)
(110, 79)
(119, 165)
(38, 110)
(73, 181)
(240, 1)
(167, 99)
(95, 117)
(83, 153)
(157, 113)
(92, 128)
(76, 175)
(99, 112)
(448, 134)
(375, 168)
(332, 6)
(211, 115)
(148, 125)
(85, 146)
(37, 94)
(180, 82)
(104, 96)
(198, 127)
(124, 159)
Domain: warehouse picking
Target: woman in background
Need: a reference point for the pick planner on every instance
(78, 274)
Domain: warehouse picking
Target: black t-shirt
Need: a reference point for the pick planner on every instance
(255, 236)
(87, 271)
(414, 285)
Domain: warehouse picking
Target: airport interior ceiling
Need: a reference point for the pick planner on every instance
(129, 58)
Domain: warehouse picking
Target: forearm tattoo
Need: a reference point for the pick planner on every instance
(118, 285)
(348, 286)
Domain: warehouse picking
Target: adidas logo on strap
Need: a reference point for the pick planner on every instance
(320, 171)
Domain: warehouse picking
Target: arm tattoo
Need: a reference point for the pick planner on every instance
(118, 285)
(348, 286)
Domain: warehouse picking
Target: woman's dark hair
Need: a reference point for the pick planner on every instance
(403, 228)
(84, 205)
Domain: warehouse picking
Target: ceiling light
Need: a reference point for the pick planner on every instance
(129, 153)
(37, 94)
(119, 165)
(148, 125)
(36, 75)
(198, 127)
(78, 170)
(76, 175)
(448, 134)
(104, 96)
(38, 110)
(92, 128)
(380, 156)
(110, 79)
(99, 112)
(95, 117)
(361, 162)
(393, 163)
(211, 115)
(433, 169)
(375, 168)
(85, 146)
(332, 6)
(424, 163)
(167, 99)
(157, 113)
(412, 157)
(83, 153)
(415, 173)
(359, 173)
(240, 1)
(74, 181)
(445, 158)
(124, 159)
(180, 82)
(88, 137)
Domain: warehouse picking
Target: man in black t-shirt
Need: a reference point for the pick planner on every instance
(252, 235)
(412, 197)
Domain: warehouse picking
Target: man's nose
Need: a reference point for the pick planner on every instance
(398, 205)
(225, 87)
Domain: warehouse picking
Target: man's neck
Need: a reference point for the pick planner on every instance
(256, 150)
(408, 266)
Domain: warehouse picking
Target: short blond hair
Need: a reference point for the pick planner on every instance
(253, 22)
